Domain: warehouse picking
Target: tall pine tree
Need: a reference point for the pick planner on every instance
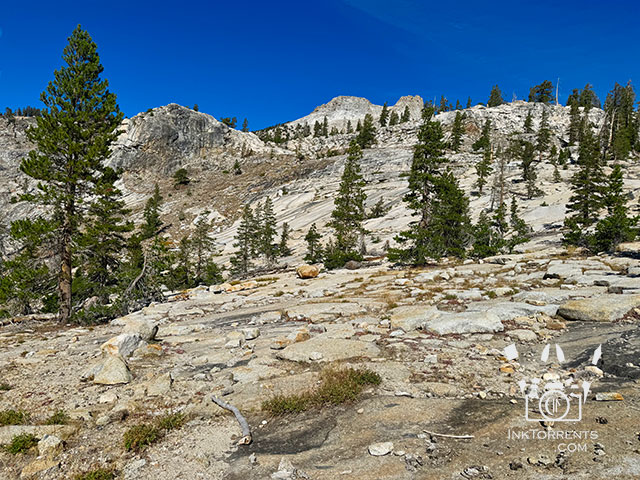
(72, 138)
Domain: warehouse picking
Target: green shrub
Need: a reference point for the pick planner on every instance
(337, 386)
(5, 387)
(140, 436)
(58, 418)
(97, 474)
(21, 443)
(171, 421)
(13, 417)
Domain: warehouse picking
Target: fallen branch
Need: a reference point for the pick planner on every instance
(138, 278)
(246, 431)
(445, 435)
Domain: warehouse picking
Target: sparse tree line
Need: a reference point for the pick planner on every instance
(86, 260)
(27, 111)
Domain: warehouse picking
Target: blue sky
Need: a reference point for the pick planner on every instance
(274, 61)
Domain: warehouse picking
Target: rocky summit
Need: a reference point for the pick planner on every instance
(375, 370)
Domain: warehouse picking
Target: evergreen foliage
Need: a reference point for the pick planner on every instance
(457, 131)
(542, 93)
(495, 97)
(367, 133)
(314, 248)
(384, 116)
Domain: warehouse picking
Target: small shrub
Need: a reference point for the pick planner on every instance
(491, 294)
(97, 474)
(171, 421)
(13, 417)
(337, 386)
(21, 443)
(5, 387)
(58, 418)
(450, 296)
(140, 436)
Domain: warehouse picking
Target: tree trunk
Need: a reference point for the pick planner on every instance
(64, 281)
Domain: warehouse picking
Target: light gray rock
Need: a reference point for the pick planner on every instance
(114, 371)
(523, 335)
(50, 446)
(160, 385)
(331, 349)
(412, 317)
(605, 308)
(465, 322)
(251, 333)
(123, 345)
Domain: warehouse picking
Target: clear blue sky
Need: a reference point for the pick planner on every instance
(274, 61)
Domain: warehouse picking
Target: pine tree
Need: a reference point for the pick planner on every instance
(484, 142)
(575, 122)
(317, 129)
(104, 238)
(267, 231)
(181, 177)
(245, 125)
(484, 168)
(544, 134)
(384, 116)
(205, 271)
(495, 97)
(469, 102)
(394, 119)
(244, 243)
(457, 131)
(25, 279)
(542, 93)
(434, 196)
(71, 140)
(621, 122)
(617, 226)
(325, 127)
(489, 233)
(314, 249)
(406, 114)
(587, 193)
(349, 127)
(458, 105)
(152, 223)
(528, 123)
(367, 133)
(528, 163)
(349, 214)
(519, 228)
(283, 247)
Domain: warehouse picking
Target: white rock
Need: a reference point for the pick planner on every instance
(380, 449)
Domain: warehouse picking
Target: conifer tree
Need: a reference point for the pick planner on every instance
(542, 93)
(152, 223)
(458, 105)
(349, 214)
(317, 129)
(469, 102)
(367, 133)
(384, 116)
(484, 168)
(103, 239)
(587, 193)
(528, 164)
(457, 131)
(434, 196)
(325, 127)
(72, 138)
(544, 134)
(267, 231)
(617, 226)
(519, 229)
(394, 119)
(528, 123)
(245, 125)
(484, 142)
(244, 243)
(575, 122)
(283, 247)
(205, 271)
(349, 127)
(621, 122)
(314, 249)
(495, 97)
(406, 114)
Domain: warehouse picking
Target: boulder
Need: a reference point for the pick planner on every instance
(307, 271)
(122, 345)
(330, 350)
(605, 308)
(352, 265)
(114, 371)
(49, 446)
(465, 322)
(380, 449)
(412, 317)
(160, 385)
(145, 327)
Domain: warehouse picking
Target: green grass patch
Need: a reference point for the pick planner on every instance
(337, 386)
(21, 443)
(13, 417)
(97, 474)
(138, 437)
(171, 421)
(58, 418)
